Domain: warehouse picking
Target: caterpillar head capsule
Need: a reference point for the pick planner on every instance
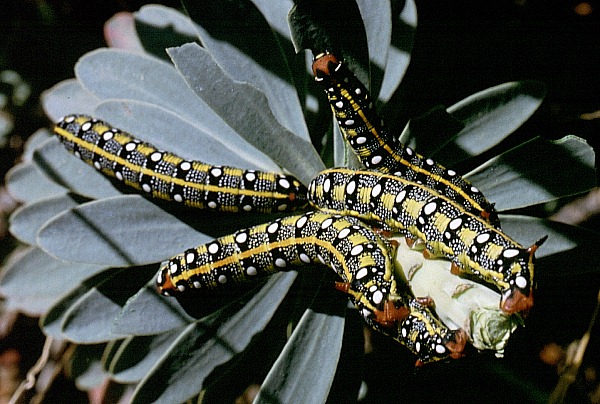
(519, 297)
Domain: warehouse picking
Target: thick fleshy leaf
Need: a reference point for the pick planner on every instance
(112, 74)
(33, 142)
(536, 172)
(148, 313)
(404, 23)
(68, 97)
(119, 231)
(204, 345)
(224, 28)
(488, 116)
(90, 319)
(36, 281)
(575, 243)
(246, 110)
(168, 131)
(52, 320)
(377, 19)
(136, 356)
(159, 27)
(26, 183)
(120, 32)
(317, 339)
(26, 221)
(86, 366)
(68, 171)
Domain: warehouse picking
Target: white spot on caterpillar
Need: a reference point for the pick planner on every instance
(222, 279)
(173, 268)
(409, 151)
(97, 165)
(429, 162)
(326, 223)
(451, 173)
(327, 185)
(349, 122)
(474, 190)
(212, 204)
(280, 263)
(361, 140)
(284, 183)
(521, 282)
(186, 165)
(356, 250)
(455, 224)
(181, 288)
(156, 156)
(377, 297)
(301, 222)
(241, 237)
(273, 227)
(511, 252)
(376, 160)
(376, 190)
(130, 146)
(282, 207)
(190, 257)
(483, 238)
(418, 346)
(440, 349)
(251, 271)
(69, 119)
(197, 285)
(358, 91)
(86, 126)
(146, 188)
(430, 208)
(401, 195)
(107, 135)
(216, 172)
(247, 208)
(351, 187)
(176, 197)
(250, 176)
(344, 233)
(362, 273)
(339, 104)
(304, 258)
(213, 248)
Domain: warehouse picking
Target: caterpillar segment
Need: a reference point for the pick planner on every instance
(377, 149)
(443, 226)
(359, 256)
(165, 176)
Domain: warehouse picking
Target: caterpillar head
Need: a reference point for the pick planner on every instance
(519, 295)
(324, 65)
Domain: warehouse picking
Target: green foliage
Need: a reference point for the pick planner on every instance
(235, 96)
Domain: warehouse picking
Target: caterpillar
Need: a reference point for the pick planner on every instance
(364, 130)
(358, 255)
(166, 176)
(444, 226)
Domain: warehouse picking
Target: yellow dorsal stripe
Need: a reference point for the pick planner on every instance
(167, 179)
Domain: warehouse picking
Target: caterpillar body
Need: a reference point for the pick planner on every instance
(358, 255)
(166, 176)
(364, 130)
(473, 245)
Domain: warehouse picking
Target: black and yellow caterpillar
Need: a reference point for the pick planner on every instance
(473, 245)
(166, 176)
(364, 130)
(358, 255)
